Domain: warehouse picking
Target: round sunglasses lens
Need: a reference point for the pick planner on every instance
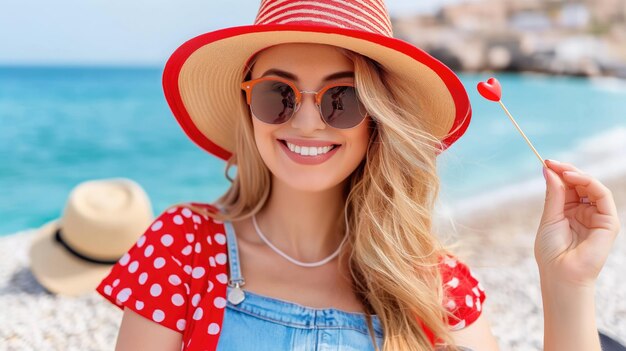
(341, 108)
(273, 101)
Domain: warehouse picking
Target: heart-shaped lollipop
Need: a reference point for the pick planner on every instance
(491, 90)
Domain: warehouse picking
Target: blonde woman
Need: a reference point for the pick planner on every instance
(324, 239)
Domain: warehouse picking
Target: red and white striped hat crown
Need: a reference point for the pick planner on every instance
(370, 16)
(201, 79)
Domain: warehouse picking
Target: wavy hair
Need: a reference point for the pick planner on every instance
(393, 254)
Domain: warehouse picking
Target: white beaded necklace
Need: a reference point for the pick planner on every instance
(300, 263)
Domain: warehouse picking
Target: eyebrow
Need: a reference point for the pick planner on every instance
(288, 75)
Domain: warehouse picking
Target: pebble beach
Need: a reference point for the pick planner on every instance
(494, 234)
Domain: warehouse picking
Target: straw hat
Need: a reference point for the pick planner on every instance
(201, 79)
(102, 219)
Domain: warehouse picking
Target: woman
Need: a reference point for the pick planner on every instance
(335, 144)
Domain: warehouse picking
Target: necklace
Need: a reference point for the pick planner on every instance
(300, 263)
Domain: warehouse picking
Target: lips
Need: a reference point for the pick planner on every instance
(285, 143)
(308, 160)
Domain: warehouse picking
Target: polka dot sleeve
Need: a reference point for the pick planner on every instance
(151, 278)
(464, 293)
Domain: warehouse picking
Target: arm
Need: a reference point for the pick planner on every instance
(569, 317)
(567, 311)
(476, 336)
(465, 298)
(572, 244)
(139, 333)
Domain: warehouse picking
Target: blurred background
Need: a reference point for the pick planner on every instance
(81, 99)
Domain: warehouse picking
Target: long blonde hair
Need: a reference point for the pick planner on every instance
(390, 196)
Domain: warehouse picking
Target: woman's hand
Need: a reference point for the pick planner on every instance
(574, 238)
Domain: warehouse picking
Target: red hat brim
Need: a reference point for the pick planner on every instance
(201, 79)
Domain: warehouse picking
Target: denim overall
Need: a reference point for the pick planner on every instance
(263, 323)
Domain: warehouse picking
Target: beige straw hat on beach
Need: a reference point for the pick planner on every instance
(102, 219)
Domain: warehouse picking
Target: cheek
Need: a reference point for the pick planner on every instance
(360, 139)
(263, 136)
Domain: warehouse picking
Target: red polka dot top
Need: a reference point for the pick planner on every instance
(176, 275)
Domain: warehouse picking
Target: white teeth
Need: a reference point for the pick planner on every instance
(309, 151)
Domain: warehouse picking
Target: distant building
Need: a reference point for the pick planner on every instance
(476, 16)
(579, 37)
(574, 16)
(530, 21)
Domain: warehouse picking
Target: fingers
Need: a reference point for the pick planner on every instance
(577, 191)
(595, 190)
(554, 206)
(571, 194)
(559, 167)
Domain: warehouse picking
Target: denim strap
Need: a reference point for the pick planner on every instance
(233, 254)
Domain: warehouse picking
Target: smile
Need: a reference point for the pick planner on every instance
(307, 154)
(309, 150)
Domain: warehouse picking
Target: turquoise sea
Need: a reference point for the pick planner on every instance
(60, 126)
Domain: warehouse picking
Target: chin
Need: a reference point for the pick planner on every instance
(307, 183)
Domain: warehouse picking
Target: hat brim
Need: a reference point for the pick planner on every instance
(57, 270)
(201, 79)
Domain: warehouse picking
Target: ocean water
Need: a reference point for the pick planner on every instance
(61, 126)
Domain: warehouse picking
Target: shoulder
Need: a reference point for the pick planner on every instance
(190, 221)
(463, 293)
(164, 274)
(190, 233)
(187, 214)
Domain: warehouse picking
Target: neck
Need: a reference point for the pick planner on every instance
(308, 226)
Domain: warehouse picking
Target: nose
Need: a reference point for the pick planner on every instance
(307, 116)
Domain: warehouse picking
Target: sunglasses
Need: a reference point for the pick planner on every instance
(274, 100)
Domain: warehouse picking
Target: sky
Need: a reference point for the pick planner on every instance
(125, 32)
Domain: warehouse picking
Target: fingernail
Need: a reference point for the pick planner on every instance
(553, 161)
